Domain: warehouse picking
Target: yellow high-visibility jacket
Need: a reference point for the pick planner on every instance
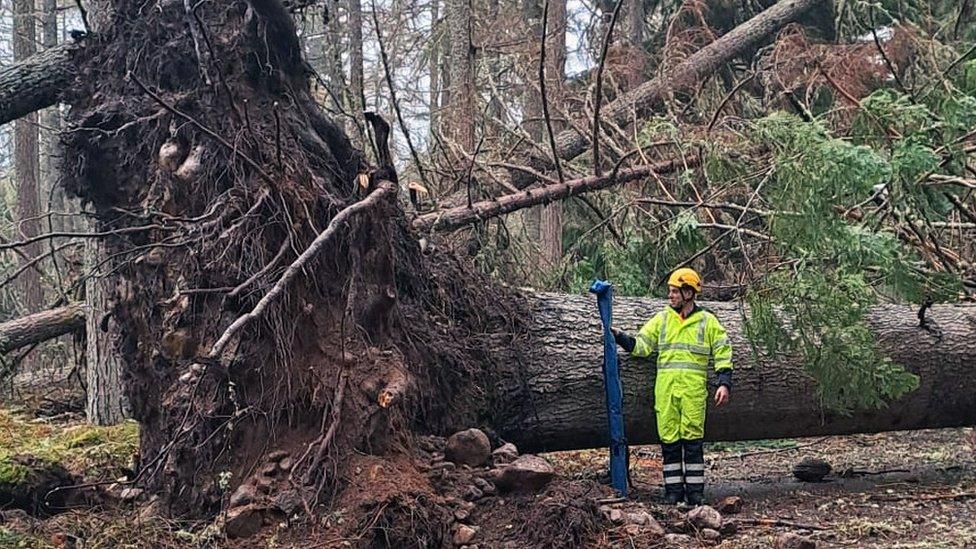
(685, 344)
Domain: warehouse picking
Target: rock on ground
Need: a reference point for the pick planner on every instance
(464, 534)
(505, 453)
(527, 473)
(811, 469)
(469, 447)
(705, 517)
(790, 540)
(244, 522)
(730, 505)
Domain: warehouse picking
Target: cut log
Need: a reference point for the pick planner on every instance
(37, 82)
(41, 326)
(553, 398)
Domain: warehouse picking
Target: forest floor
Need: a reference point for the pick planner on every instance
(905, 489)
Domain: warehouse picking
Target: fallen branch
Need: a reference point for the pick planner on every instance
(460, 216)
(777, 522)
(38, 327)
(385, 188)
(923, 497)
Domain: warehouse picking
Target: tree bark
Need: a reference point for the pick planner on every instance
(554, 399)
(356, 89)
(452, 218)
(462, 106)
(105, 402)
(36, 82)
(27, 160)
(42, 326)
(701, 65)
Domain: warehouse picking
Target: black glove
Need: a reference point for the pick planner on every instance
(624, 340)
(725, 378)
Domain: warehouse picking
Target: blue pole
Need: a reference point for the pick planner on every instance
(614, 390)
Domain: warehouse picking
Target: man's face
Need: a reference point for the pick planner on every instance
(674, 296)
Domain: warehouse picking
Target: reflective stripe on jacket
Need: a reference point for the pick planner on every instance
(685, 344)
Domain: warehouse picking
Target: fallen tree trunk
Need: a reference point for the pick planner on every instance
(37, 82)
(41, 326)
(554, 399)
(686, 76)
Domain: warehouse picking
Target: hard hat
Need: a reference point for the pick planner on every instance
(685, 277)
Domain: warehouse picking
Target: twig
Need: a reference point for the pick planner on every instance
(923, 497)
(393, 97)
(726, 100)
(271, 264)
(778, 522)
(46, 236)
(326, 438)
(84, 16)
(298, 265)
(277, 119)
(774, 450)
(542, 90)
(599, 89)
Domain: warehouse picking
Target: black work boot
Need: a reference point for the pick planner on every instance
(694, 461)
(674, 484)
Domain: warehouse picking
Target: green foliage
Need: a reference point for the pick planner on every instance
(815, 307)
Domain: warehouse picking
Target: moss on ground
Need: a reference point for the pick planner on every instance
(82, 449)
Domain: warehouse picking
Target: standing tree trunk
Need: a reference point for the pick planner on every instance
(462, 117)
(356, 88)
(545, 222)
(105, 402)
(26, 161)
(434, 66)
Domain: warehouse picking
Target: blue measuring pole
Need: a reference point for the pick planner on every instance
(614, 390)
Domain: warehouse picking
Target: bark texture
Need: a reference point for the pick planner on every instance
(554, 399)
(105, 402)
(27, 161)
(36, 82)
(42, 326)
(463, 101)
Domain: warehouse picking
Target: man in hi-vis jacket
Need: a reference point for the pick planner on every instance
(686, 337)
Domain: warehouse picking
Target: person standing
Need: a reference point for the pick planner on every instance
(686, 338)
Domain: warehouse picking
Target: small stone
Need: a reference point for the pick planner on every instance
(790, 540)
(616, 516)
(461, 515)
(130, 494)
(605, 511)
(730, 505)
(506, 453)
(245, 493)
(678, 540)
(244, 522)
(705, 517)
(470, 447)
(464, 534)
(653, 528)
(632, 530)
(288, 501)
(286, 464)
(811, 469)
(710, 535)
(527, 473)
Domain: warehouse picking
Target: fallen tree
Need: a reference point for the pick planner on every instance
(38, 327)
(554, 400)
(36, 83)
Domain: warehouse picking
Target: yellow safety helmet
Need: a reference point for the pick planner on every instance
(685, 277)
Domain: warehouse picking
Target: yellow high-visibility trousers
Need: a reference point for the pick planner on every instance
(680, 398)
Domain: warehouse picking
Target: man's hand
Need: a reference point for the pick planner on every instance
(623, 340)
(722, 396)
